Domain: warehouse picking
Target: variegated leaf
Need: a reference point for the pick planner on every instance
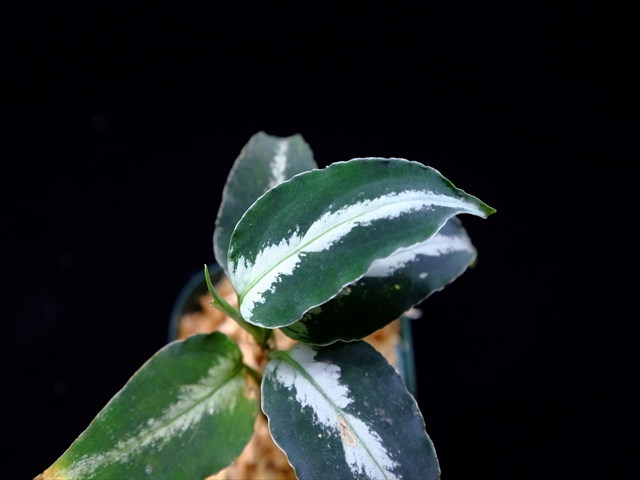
(187, 413)
(391, 287)
(263, 163)
(305, 240)
(343, 412)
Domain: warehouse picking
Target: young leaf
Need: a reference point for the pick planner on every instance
(187, 413)
(343, 412)
(263, 163)
(305, 240)
(391, 287)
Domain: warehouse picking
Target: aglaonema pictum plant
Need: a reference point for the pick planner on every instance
(328, 256)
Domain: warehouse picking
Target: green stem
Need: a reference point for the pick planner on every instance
(257, 376)
(260, 335)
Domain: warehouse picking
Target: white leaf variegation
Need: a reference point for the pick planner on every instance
(276, 260)
(389, 288)
(264, 162)
(306, 224)
(436, 246)
(328, 398)
(349, 424)
(180, 404)
(211, 393)
(279, 163)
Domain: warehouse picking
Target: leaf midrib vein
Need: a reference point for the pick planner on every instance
(140, 439)
(309, 378)
(301, 247)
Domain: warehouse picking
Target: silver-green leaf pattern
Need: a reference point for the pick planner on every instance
(264, 162)
(187, 413)
(305, 240)
(343, 412)
(391, 287)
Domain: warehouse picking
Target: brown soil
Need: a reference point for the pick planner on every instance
(261, 458)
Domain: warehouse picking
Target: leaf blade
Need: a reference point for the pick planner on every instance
(343, 412)
(264, 162)
(389, 288)
(182, 402)
(334, 223)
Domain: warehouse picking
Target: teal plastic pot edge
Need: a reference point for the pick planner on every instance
(189, 296)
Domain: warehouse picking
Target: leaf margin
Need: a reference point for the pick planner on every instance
(250, 216)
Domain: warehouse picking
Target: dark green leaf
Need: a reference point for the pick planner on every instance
(302, 242)
(343, 412)
(391, 287)
(187, 413)
(263, 163)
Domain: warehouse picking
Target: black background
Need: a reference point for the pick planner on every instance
(120, 126)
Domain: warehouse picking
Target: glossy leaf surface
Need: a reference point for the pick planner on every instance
(187, 413)
(305, 240)
(263, 163)
(391, 287)
(343, 412)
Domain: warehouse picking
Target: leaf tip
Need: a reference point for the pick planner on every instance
(49, 474)
(490, 210)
